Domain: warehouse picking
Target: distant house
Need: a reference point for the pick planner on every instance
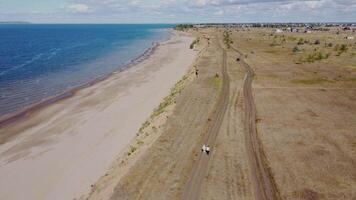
(295, 30)
(278, 30)
(349, 37)
(307, 31)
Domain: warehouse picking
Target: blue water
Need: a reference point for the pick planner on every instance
(40, 61)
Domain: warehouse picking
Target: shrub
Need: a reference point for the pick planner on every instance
(317, 42)
(193, 44)
(132, 150)
(340, 49)
(300, 42)
(296, 49)
(316, 56)
(343, 48)
(227, 40)
(143, 126)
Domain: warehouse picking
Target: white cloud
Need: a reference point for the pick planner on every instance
(220, 12)
(78, 8)
(167, 11)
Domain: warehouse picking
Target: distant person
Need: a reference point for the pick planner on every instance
(207, 150)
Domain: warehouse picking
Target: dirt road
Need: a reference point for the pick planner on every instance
(264, 186)
(193, 187)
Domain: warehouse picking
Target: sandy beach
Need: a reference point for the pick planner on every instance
(59, 151)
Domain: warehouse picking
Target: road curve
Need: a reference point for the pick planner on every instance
(261, 176)
(193, 186)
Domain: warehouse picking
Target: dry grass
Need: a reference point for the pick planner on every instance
(312, 81)
(306, 106)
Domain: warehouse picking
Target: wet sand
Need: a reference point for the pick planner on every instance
(59, 151)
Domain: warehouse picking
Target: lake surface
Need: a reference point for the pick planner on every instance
(41, 61)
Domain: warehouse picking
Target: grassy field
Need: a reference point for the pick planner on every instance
(305, 96)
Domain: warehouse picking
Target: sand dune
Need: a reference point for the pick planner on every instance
(60, 150)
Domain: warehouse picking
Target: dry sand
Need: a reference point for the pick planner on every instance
(59, 151)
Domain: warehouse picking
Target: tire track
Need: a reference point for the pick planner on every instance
(193, 186)
(264, 185)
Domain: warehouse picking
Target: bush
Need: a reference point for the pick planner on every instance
(340, 49)
(317, 42)
(193, 44)
(227, 39)
(300, 42)
(132, 150)
(343, 48)
(317, 56)
(296, 49)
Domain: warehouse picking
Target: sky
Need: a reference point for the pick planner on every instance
(177, 11)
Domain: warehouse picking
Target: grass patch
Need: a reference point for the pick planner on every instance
(131, 150)
(267, 77)
(182, 27)
(312, 81)
(227, 39)
(143, 126)
(296, 49)
(340, 49)
(215, 81)
(175, 91)
(291, 38)
(353, 79)
(192, 45)
(316, 56)
(140, 142)
(351, 67)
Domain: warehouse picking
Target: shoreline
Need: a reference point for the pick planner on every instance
(60, 151)
(23, 113)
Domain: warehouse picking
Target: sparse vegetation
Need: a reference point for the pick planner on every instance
(140, 142)
(192, 45)
(300, 41)
(227, 40)
(343, 48)
(312, 81)
(143, 126)
(131, 150)
(175, 91)
(316, 56)
(182, 27)
(340, 49)
(216, 81)
(296, 49)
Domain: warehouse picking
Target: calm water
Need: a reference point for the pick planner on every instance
(39, 61)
